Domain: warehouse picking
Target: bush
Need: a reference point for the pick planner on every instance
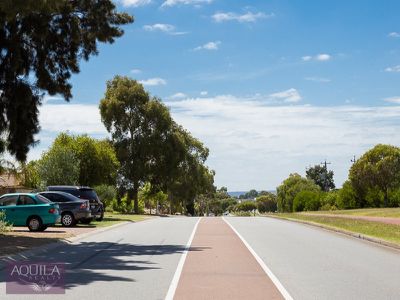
(329, 200)
(346, 197)
(307, 200)
(106, 193)
(394, 198)
(4, 225)
(267, 203)
(374, 198)
(243, 214)
(125, 207)
(246, 206)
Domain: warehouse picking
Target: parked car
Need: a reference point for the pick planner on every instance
(32, 210)
(72, 209)
(83, 192)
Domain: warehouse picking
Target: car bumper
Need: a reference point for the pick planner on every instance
(83, 215)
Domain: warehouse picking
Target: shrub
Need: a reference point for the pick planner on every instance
(394, 198)
(4, 225)
(346, 196)
(106, 193)
(243, 214)
(125, 207)
(246, 206)
(266, 203)
(307, 200)
(329, 200)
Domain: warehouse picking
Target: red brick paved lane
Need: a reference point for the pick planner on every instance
(219, 266)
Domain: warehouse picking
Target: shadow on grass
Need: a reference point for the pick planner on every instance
(89, 262)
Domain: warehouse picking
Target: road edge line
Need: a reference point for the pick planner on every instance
(267, 270)
(175, 280)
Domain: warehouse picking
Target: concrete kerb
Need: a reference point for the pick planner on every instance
(342, 231)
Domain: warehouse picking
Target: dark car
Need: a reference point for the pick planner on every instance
(34, 211)
(86, 193)
(72, 209)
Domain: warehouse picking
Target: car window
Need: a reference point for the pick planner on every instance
(48, 196)
(25, 200)
(9, 200)
(88, 194)
(41, 199)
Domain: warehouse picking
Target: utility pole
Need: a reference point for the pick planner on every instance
(353, 160)
(325, 164)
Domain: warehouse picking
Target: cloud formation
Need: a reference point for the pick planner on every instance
(247, 17)
(318, 79)
(395, 100)
(288, 96)
(393, 69)
(394, 34)
(135, 3)
(208, 46)
(153, 81)
(170, 3)
(166, 28)
(318, 57)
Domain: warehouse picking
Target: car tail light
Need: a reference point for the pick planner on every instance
(84, 205)
(53, 211)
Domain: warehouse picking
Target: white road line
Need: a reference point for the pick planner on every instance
(177, 275)
(267, 270)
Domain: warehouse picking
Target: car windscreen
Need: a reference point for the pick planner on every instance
(42, 200)
(69, 197)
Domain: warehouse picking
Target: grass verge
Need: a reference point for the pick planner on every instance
(114, 218)
(386, 232)
(367, 212)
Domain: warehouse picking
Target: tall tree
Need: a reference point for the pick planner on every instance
(41, 44)
(378, 168)
(139, 126)
(322, 177)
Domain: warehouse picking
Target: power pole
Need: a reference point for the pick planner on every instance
(353, 160)
(325, 164)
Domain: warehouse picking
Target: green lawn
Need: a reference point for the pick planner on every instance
(370, 212)
(387, 232)
(114, 218)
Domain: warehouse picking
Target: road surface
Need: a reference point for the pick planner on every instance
(141, 261)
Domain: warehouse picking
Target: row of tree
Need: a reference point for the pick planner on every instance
(148, 152)
(374, 181)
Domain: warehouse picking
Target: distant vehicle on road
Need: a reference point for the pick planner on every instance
(32, 210)
(72, 209)
(86, 193)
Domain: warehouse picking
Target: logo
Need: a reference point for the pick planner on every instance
(35, 278)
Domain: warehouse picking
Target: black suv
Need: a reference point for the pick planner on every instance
(72, 209)
(85, 193)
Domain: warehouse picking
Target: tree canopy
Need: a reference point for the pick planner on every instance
(322, 177)
(41, 44)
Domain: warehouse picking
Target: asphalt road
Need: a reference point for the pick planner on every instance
(134, 261)
(313, 263)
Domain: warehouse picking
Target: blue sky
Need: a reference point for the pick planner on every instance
(270, 87)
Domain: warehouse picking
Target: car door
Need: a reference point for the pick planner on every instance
(8, 204)
(26, 206)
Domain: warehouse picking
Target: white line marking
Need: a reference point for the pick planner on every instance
(267, 270)
(177, 275)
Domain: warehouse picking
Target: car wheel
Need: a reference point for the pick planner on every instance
(101, 218)
(35, 223)
(43, 228)
(86, 221)
(68, 220)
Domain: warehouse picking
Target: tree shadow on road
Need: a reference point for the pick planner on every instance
(89, 262)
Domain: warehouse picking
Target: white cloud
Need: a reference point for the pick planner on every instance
(267, 142)
(395, 100)
(136, 71)
(306, 58)
(203, 93)
(47, 98)
(177, 96)
(166, 28)
(185, 2)
(153, 81)
(243, 18)
(394, 34)
(318, 57)
(318, 79)
(393, 69)
(135, 3)
(289, 96)
(208, 46)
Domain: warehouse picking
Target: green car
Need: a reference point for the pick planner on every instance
(32, 210)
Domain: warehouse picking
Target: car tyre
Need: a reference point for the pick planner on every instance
(101, 217)
(34, 223)
(68, 220)
(86, 221)
(43, 228)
